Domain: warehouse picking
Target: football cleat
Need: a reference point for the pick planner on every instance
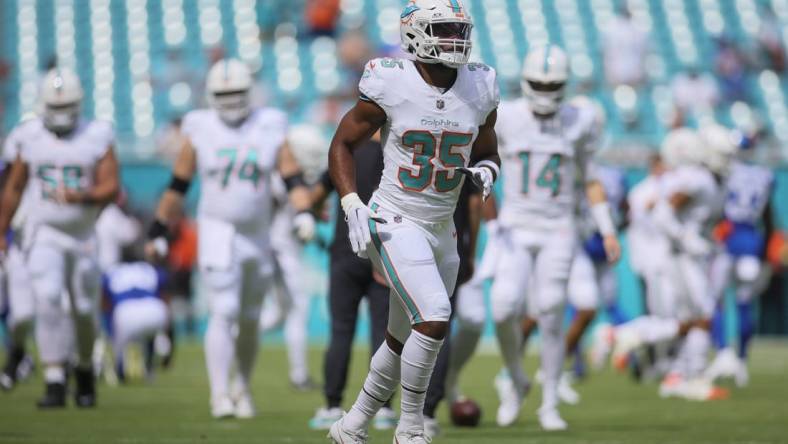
(431, 427)
(85, 394)
(338, 435)
(54, 397)
(511, 400)
(411, 436)
(725, 365)
(626, 341)
(244, 406)
(324, 417)
(222, 407)
(551, 421)
(566, 393)
(385, 419)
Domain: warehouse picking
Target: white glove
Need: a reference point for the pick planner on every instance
(482, 177)
(695, 244)
(357, 216)
(304, 225)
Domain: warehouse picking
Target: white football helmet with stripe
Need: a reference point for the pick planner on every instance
(437, 31)
(60, 97)
(544, 77)
(228, 87)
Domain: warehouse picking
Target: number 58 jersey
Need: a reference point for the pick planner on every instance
(235, 165)
(543, 159)
(58, 163)
(427, 135)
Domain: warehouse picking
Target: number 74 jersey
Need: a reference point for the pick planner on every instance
(543, 162)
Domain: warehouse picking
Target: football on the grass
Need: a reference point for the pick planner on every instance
(465, 413)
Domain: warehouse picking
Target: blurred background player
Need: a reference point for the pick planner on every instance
(443, 107)
(351, 279)
(747, 223)
(137, 314)
(290, 305)
(70, 166)
(545, 144)
(235, 149)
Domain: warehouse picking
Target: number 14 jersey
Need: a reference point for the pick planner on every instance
(235, 164)
(543, 160)
(428, 133)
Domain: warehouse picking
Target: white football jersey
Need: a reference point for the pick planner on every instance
(235, 165)
(428, 133)
(55, 163)
(10, 153)
(748, 190)
(543, 160)
(705, 204)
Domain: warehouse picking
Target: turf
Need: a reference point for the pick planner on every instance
(174, 409)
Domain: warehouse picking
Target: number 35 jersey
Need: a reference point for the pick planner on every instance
(543, 160)
(428, 133)
(235, 165)
(55, 164)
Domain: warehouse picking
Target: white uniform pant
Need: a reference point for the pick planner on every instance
(65, 278)
(533, 271)
(19, 291)
(137, 321)
(420, 263)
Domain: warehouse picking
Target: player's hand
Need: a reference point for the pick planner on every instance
(612, 248)
(65, 195)
(357, 216)
(304, 225)
(156, 249)
(695, 244)
(482, 177)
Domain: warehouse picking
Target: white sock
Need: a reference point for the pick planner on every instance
(219, 354)
(552, 357)
(295, 337)
(510, 339)
(54, 332)
(382, 380)
(418, 360)
(54, 374)
(463, 344)
(246, 346)
(698, 344)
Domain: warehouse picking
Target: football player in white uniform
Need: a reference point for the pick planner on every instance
(437, 113)
(748, 192)
(545, 145)
(71, 168)
(235, 149)
(689, 206)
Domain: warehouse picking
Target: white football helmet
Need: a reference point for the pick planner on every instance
(310, 148)
(228, 87)
(682, 146)
(437, 31)
(719, 146)
(544, 77)
(60, 97)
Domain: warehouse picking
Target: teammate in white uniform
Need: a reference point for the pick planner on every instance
(114, 230)
(17, 299)
(235, 149)
(748, 191)
(70, 167)
(545, 145)
(690, 205)
(437, 115)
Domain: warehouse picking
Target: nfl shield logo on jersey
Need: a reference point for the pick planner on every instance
(440, 103)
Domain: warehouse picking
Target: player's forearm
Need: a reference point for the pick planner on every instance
(171, 201)
(300, 198)
(8, 205)
(103, 193)
(489, 209)
(595, 193)
(342, 167)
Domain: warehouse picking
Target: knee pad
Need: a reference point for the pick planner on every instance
(550, 296)
(223, 292)
(507, 300)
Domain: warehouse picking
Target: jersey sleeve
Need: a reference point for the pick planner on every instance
(372, 86)
(272, 124)
(191, 124)
(12, 146)
(104, 136)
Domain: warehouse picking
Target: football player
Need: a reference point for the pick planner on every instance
(70, 166)
(235, 148)
(545, 144)
(437, 113)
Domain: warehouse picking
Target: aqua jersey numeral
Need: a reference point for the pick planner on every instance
(549, 177)
(247, 170)
(424, 146)
(54, 177)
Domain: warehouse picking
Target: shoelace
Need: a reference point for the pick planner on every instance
(418, 434)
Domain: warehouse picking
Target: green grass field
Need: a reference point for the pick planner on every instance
(174, 409)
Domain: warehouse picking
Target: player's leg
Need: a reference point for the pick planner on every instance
(346, 288)
(20, 315)
(695, 276)
(378, 300)
(552, 267)
(224, 299)
(296, 318)
(84, 289)
(584, 298)
(470, 315)
(53, 327)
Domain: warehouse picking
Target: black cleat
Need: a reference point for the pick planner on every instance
(85, 395)
(9, 375)
(54, 397)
